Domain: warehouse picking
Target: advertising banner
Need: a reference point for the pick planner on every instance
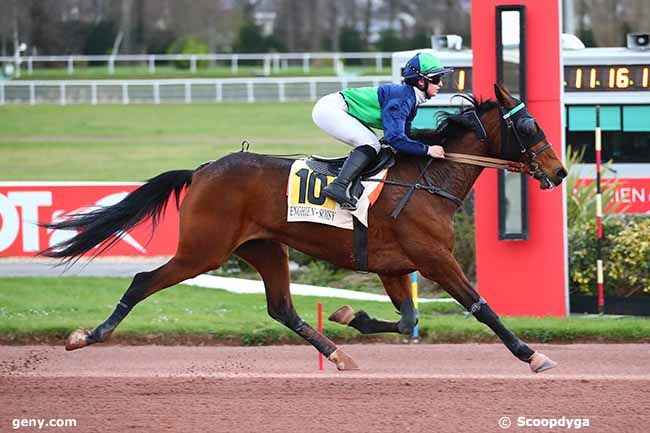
(631, 196)
(25, 204)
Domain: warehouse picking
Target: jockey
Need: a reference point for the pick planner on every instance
(348, 116)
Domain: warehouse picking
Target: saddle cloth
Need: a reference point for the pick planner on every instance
(306, 202)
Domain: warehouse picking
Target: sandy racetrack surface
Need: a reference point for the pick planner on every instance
(416, 388)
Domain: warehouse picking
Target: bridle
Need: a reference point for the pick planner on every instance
(525, 145)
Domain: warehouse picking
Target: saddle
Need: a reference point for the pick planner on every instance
(332, 166)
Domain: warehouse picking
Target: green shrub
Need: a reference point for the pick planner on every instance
(625, 252)
(625, 247)
(189, 45)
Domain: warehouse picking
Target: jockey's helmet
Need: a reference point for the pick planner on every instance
(423, 65)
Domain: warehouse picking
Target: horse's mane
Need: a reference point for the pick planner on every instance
(451, 124)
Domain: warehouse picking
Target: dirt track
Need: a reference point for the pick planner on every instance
(424, 388)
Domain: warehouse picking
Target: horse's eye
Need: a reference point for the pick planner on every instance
(527, 125)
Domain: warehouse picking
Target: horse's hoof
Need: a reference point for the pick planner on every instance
(343, 361)
(343, 315)
(540, 362)
(77, 339)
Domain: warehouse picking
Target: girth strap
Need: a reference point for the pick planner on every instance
(360, 235)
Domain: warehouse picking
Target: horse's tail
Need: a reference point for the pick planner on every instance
(105, 226)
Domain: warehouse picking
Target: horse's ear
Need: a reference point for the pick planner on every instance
(503, 95)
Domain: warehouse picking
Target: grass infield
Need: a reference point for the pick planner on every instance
(197, 315)
(136, 142)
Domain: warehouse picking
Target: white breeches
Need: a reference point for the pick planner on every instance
(331, 115)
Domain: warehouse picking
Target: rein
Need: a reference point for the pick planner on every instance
(484, 161)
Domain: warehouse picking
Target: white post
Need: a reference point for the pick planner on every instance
(305, 63)
(267, 66)
(93, 93)
(62, 92)
(70, 65)
(156, 92)
(336, 61)
(152, 64)
(193, 64)
(30, 66)
(125, 94)
(218, 92)
(32, 94)
(249, 91)
(281, 95)
(312, 90)
(111, 65)
(2, 93)
(276, 63)
(378, 63)
(188, 93)
(234, 65)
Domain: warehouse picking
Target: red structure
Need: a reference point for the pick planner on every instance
(523, 277)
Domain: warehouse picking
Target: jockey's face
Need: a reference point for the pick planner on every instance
(431, 89)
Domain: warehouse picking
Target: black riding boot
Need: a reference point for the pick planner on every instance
(339, 189)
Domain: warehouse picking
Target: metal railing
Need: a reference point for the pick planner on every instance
(176, 91)
(269, 62)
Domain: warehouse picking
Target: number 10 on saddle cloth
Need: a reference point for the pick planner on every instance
(306, 202)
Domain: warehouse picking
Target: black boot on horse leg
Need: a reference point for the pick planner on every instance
(339, 189)
(365, 324)
(484, 314)
(399, 290)
(445, 270)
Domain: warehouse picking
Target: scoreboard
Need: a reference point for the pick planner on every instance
(607, 78)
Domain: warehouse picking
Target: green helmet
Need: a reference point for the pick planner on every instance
(423, 65)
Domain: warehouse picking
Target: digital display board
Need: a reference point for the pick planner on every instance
(584, 78)
(607, 78)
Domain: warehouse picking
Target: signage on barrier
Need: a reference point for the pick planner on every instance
(631, 196)
(24, 205)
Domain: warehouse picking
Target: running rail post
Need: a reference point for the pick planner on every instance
(320, 329)
(599, 219)
(414, 288)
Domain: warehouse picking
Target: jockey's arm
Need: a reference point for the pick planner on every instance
(394, 117)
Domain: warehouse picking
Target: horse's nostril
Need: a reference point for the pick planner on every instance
(561, 173)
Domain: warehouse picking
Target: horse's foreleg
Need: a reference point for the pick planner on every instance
(448, 273)
(398, 289)
(271, 260)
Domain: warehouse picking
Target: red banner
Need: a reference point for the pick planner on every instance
(630, 196)
(24, 204)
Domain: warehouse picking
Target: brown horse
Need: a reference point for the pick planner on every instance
(237, 205)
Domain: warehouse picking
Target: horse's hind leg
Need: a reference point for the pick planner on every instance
(445, 270)
(203, 245)
(271, 260)
(399, 291)
(144, 284)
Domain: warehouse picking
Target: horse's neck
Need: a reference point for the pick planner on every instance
(457, 178)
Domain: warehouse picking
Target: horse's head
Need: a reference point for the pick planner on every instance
(524, 140)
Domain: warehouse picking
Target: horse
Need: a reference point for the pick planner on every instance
(237, 205)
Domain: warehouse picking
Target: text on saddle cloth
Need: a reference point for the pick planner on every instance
(306, 202)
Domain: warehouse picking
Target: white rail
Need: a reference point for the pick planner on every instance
(176, 91)
(269, 62)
